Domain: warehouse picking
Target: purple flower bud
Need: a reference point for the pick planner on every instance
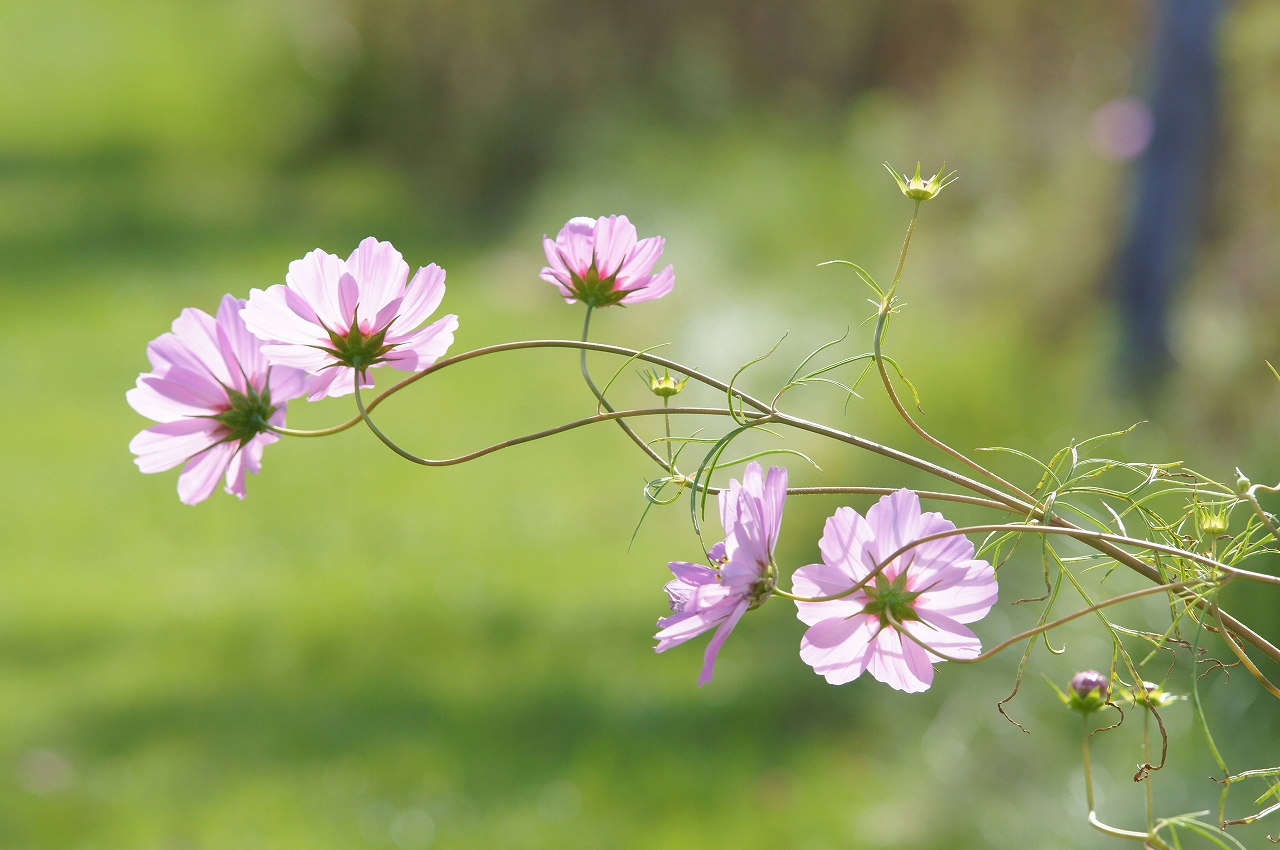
(1085, 682)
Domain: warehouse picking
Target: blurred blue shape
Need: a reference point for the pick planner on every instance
(1171, 181)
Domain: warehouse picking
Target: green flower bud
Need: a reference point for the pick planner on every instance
(918, 189)
(665, 386)
(1088, 692)
(1211, 520)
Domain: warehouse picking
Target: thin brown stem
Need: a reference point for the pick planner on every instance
(1029, 633)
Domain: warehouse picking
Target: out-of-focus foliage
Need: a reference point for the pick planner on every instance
(364, 653)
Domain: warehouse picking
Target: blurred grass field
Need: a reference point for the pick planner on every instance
(369, 654)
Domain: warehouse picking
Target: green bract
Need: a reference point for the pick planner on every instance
(250, 414)
(891, 599)
(665, 386)
(357, 350)
(918, 189)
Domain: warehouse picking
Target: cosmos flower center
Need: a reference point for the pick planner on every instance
(357, 348)
(249, 414)
(762, 589)
(593, 290)
(891, 599)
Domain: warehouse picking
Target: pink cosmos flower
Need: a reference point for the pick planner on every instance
(600, 262)
(742, 574)
(331, 317)
(214, 394)
(930, 590)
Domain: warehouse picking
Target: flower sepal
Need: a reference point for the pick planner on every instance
(249, 415)
(918, 189)
(664, 386)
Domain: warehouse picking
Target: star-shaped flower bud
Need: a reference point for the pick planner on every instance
(918, 189)
(664, 385)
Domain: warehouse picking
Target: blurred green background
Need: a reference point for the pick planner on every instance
(369, 654)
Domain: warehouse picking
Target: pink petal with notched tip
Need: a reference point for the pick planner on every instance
(165, 401)
(705, 607)
(844, 540)
(615, 237)
(554, 257)
(247, 460)
(894, 522)
(383, 318)
(919, 665)
(167, 351)
(889, 663)
(967, 601)
(654, 287)
(576, 245)
(315, 278)
(164, 446)
(640, 261)
(198, 332)
(348, 302)
(692, 574)
(381, 271)
(273, 314)
(192, 391)
(944, 634)
(201, 474)
(302, 357)
(423, 347)
(717, 641)
(839, 648)
(421, 298)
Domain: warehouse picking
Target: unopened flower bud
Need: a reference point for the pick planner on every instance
(1088, 692)
(918, 189)
(1242, 484)
(665, 385)
(1212, 521)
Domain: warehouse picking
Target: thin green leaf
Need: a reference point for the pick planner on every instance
(862, 273)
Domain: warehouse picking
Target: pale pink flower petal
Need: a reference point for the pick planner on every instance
(314, 279)
(576, 245)
(940, 632)
(718, 639)
(200, 476)
(247, 460)
(164, 446)
(839, 648)
(241, 351)
(615, 237)
(641, 259)
(649, 288)
(382, 273)
(418, 350)
(198, 332)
